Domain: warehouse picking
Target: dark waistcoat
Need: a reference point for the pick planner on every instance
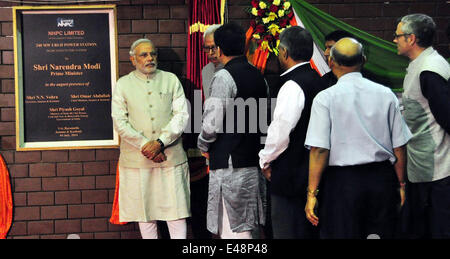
(243, 147)
(290, 169)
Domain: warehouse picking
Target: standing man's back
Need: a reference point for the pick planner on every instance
(284, 160)
(357, 131)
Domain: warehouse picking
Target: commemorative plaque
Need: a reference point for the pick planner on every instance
(66, 67)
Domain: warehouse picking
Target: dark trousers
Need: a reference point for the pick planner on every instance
(426, 213)
(289, 218)
(199, 203)
(358, 201)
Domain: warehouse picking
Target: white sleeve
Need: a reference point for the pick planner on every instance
(173, 130)
(119, 113)
(223, 89)
(319, 126)
(288, 109)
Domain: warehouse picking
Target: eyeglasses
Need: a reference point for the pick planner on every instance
(209, 49)
(400, 35)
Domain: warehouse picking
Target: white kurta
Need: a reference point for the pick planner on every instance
(146, 109)
(147, 194)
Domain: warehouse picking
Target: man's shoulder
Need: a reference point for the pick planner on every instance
(436, 63)
(166, 74)
(208, 67)
(223, 73)
(124, 80)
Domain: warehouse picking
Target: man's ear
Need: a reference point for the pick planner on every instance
(219, 52)
(412, 39)
(133, 60)
(330, 62)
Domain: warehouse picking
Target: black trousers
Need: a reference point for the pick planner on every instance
(360, 200)
(289, 218)
(426, 213)
(199, 204)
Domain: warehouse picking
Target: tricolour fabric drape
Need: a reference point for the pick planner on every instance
(6, 203)
(383, 64)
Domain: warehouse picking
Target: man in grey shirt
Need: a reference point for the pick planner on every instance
(235, 206)
(356, 129)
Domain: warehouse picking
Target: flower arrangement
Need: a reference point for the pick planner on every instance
(271, 17)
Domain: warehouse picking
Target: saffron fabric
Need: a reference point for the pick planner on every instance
(115, 209)
(6, 203)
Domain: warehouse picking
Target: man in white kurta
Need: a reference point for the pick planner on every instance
(149, 111)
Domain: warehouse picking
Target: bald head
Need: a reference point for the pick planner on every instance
(347, 52)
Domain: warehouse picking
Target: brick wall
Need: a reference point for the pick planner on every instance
(57, 193)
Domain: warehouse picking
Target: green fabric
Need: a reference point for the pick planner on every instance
(383, 64)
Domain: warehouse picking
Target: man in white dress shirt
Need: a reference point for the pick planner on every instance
(149, 111)
(357, 131)
(284, 159)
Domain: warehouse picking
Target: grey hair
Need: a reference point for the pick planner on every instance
(210, 30)
(420, 25)
(298, 42)
(348, 61)
(136, 43)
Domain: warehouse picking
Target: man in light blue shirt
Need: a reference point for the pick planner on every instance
(356, 129)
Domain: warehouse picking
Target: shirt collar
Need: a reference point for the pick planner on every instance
(294, 67)
(142, 76)
(349, 76)
(218, 67)
(423, 55)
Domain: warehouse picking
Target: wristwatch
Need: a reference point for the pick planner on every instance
(160, 143)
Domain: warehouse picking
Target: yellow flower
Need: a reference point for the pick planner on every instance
(264, 45)
(276, 2)
(256, 36)
(272, 16)
(254, 11)
(262, 5)
(265, 20)
(286, 5)
(273, 29)
(280, 13)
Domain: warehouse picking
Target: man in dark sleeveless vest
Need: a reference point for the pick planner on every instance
(231, 137)
(284, 159)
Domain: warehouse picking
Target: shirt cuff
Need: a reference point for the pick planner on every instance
(202, 144)
(144, 141)
(164, 140)
(263, 165)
